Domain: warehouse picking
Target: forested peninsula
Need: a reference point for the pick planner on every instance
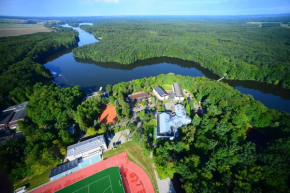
(245, 51)
(20, 56)
(238, 145)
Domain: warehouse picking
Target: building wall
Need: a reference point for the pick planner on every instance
(179, 99)
(158, 96)
(95, 151)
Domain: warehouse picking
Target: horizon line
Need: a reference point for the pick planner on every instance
(265, 14)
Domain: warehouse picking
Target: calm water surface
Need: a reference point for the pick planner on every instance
(92, 75)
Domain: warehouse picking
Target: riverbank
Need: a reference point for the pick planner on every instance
(243, 52)
(91, 75)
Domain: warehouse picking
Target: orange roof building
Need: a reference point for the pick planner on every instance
(108, 115)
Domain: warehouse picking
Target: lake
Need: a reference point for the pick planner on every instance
(92, 75)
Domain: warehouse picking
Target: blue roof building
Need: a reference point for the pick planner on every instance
(167, 125)
(72, 166)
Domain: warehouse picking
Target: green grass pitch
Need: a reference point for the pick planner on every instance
(106, 181)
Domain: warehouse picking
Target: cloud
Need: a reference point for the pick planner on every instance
(107, 1)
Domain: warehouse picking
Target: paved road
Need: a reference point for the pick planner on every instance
(165, 185)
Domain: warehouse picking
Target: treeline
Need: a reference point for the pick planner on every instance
(50, 113)
(19, 55)
(245, 52)
(238, 145)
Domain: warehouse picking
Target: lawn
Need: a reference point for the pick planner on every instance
(34, 181)
(165, 101)
(152, 122)
(17, 30)
(167, 87)
(135, 155)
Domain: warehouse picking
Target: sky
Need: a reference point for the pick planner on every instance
(44, 8)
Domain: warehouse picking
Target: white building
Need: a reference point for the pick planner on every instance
(88, 148)
(177, 92)
(160, 93)
(20, 190)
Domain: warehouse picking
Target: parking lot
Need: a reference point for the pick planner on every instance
(119, 138)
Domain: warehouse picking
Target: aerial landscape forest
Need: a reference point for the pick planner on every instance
(23, 61)
(244, 51)
(233, 141)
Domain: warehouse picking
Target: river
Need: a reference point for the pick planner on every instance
(92, 75)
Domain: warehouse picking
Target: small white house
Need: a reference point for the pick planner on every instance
(88, 148)
(160, 93)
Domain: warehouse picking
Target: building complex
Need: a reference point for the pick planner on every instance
(168, 123)
(175, 94)
(139, 96)
(10, 116)
(80, 155)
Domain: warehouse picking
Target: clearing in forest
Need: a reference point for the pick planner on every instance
(17, 30)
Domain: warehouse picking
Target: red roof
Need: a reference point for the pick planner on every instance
(108, 115)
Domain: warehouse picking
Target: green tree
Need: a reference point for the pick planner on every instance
(91, 131)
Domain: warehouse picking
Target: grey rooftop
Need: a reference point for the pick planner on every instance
(85, 145)
(177, 90)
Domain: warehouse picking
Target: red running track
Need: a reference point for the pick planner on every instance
(134, 178)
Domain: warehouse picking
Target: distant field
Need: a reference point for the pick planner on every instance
(17, 30)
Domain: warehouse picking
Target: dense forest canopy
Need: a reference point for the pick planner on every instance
(50, 114)
(18, 55)
(34, 46)
(238, 145)
(242, 50)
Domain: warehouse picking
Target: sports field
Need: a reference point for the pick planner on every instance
(108, 115)
(106, 181)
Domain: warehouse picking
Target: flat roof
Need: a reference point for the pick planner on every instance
(63, 168)
(85, 145)
(160, 91)
(163, 128)
(177, 90)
